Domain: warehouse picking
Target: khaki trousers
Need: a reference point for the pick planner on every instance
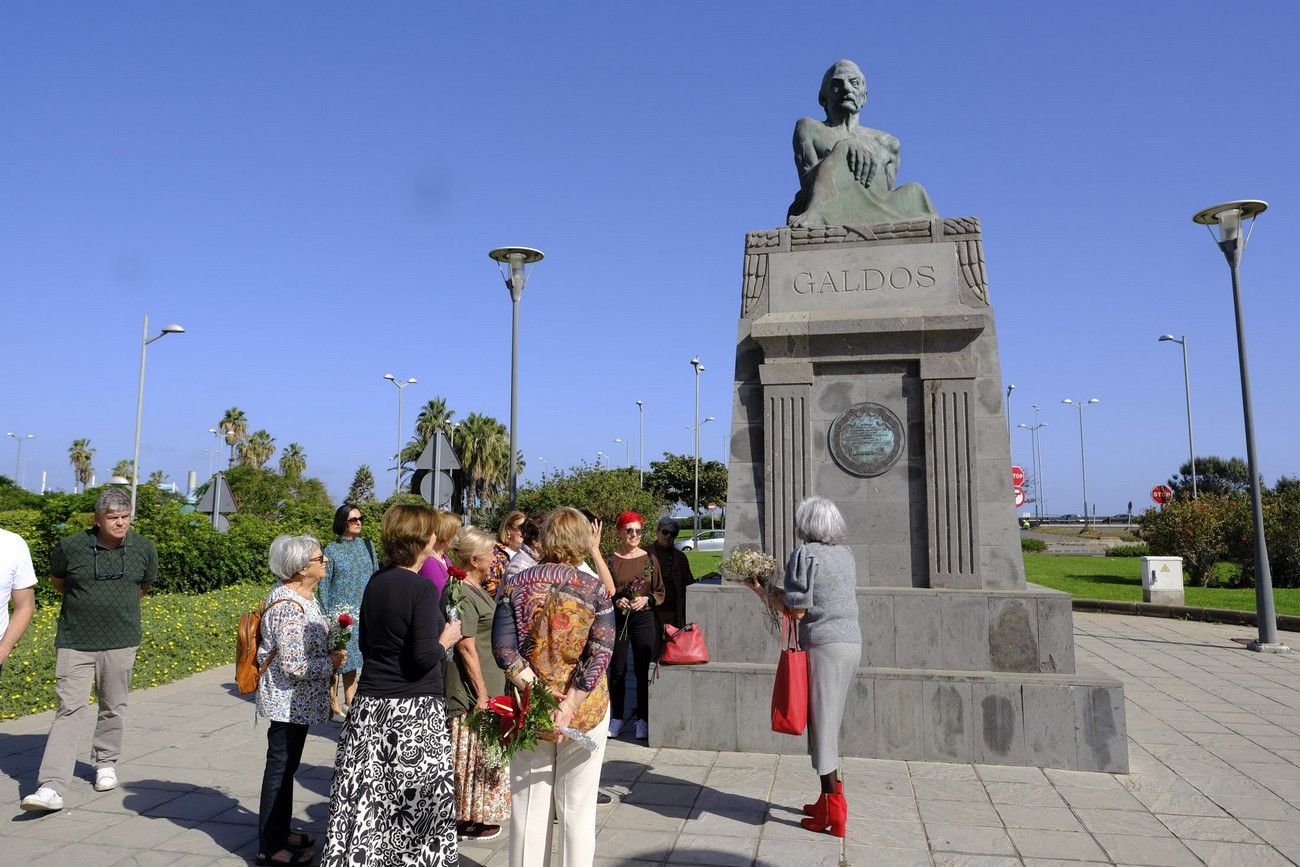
(559, 780)
(76, 670)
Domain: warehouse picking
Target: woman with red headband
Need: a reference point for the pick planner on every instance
(638, 589)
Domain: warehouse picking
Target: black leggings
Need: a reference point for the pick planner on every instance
(642, 635)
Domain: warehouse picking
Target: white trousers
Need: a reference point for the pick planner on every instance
(561, 781)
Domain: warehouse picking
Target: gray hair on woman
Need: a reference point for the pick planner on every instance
(290, 555)
(112, 500)
(817, 519)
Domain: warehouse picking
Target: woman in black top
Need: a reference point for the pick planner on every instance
(393, 799)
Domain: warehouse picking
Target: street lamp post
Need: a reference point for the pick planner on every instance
(699, 368)
(640, 441)
(1083, 458)
(516, 258)
(145, 340)
(215, 450)
(18, 464)
(599, 455)
(627, 449)
(1229, 217)
(1038, 469)
(397, 460)
(1187, 392)
(1038, 454)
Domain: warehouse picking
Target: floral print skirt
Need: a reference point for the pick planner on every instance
(482, 792)
(393, 799)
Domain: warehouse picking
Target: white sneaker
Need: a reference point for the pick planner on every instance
(642, 730)
(615, 727)
(43, 800)
(105, 780)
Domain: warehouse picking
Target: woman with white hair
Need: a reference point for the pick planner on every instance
(293, 692)
(820, 594)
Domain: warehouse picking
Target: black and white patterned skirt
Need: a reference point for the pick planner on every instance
(393, 799)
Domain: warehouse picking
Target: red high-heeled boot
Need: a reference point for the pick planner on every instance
(811, 809)
(833, 815)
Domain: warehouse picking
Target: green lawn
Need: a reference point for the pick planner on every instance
(1119, 578)
(183, 634)
(703, 562)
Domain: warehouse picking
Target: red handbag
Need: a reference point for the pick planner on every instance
(684, 646)
(790, 693)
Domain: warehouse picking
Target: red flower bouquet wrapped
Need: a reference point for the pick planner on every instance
(513, 723)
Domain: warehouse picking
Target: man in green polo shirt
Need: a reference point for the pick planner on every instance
(102, 573)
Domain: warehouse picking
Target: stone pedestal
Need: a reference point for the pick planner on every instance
(867, 372)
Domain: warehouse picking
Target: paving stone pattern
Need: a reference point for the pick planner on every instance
(1214, 746)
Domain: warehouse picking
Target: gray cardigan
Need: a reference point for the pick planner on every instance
(822, 579)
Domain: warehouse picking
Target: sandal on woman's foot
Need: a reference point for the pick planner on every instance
(286, 858)
(300, 840)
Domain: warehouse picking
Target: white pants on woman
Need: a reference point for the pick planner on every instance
(559, 780)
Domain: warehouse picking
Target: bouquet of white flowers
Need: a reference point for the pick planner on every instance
(754, 568)
(744, 566)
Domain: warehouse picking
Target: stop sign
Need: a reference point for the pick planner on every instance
(1162, 494)
(1017, 476)
(1020, 496)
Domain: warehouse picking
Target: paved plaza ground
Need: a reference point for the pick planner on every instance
(1214, 747)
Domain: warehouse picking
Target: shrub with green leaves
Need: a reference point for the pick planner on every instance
(1033, 546)
(606, 493)
(1127, 551)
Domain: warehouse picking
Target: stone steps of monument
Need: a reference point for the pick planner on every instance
(1073, 721)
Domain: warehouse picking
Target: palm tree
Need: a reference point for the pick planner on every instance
(234, 427)
(80, 454)
(157, 478)
(434, 416)
(122, 468)
(484, 458)
(257, 449)
(293, 462)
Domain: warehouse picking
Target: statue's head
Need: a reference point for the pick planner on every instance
(844, 89)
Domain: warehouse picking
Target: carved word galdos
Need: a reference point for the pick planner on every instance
(863, 280)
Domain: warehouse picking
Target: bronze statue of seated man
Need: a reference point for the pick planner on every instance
(847, 171)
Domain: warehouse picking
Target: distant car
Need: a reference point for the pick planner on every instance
(707, 540)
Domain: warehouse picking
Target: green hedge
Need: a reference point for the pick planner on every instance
(1033, 546)
(192, 556)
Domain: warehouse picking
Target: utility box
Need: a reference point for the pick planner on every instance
(1162, 580)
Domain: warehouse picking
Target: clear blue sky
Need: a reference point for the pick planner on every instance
(311, 190)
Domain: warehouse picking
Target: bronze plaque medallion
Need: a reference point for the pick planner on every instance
(867, 439)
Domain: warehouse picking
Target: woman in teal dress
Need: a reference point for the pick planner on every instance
(352, 561)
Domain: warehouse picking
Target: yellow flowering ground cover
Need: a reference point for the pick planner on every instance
(183, 634)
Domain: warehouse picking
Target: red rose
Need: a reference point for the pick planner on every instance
(345, 620)
(456, 572)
